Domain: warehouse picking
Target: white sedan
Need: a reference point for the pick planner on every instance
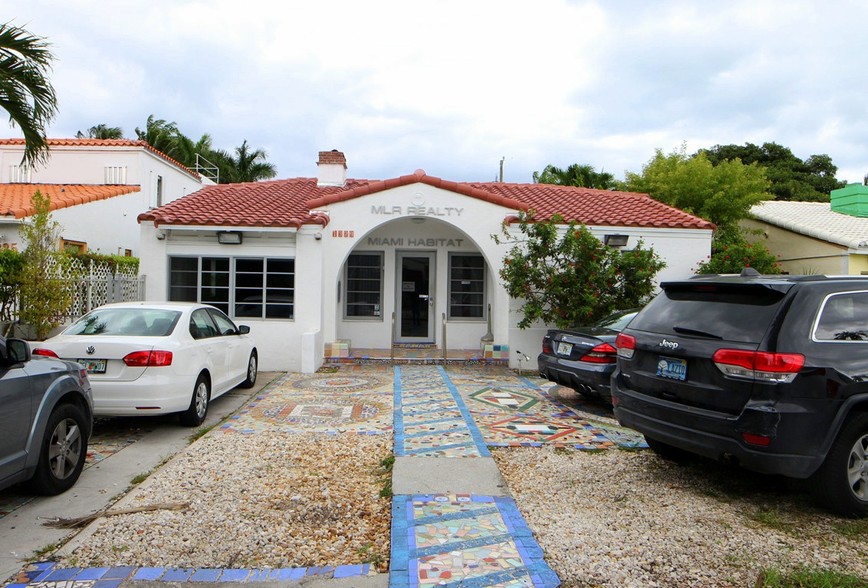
(146, 358)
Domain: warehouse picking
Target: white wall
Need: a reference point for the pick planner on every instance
(107, 226)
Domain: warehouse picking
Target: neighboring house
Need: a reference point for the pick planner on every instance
(97, 188)
(816, 237)
(310, 263)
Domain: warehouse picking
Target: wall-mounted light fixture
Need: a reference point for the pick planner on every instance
(616, 240)
(317, 236)
(229, 237)
(160, 235)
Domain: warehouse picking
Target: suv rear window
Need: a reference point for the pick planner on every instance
(722, 311)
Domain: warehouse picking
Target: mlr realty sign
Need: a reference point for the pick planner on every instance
(416, 210)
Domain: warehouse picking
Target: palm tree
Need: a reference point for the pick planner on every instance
(245, 166)
(584, 176)
(102, 131)
(161, 135)
(25, 91)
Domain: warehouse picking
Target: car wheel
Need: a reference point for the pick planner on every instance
(841, 483)
(252, 365)
(62, 452)
(668, 452)
(198, 409)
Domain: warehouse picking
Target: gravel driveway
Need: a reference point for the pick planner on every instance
(610, 517)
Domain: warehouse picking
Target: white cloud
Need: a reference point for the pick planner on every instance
(453, 86)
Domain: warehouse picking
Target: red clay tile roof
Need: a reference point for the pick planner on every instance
(15, 198)
(105, 143)
(288, 203)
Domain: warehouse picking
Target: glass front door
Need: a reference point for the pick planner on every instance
(415, 298)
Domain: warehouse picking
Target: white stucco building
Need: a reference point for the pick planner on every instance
(97, 189)
(309, 262)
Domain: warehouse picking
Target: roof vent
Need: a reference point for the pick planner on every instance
(331, 168)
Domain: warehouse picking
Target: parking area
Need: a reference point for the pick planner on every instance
(282, 487)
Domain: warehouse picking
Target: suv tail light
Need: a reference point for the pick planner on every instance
(773, 368)
(43, 352)
(626, 345)
(148, 358)
(602, 353)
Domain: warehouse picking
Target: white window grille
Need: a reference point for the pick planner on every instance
(116, 174)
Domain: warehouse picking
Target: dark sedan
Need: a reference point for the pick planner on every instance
(583, 358)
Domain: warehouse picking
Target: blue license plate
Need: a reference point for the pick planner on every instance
(672, 368)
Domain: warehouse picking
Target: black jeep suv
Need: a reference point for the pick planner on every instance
(770, 372)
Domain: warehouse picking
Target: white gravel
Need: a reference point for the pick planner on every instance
(268, 500)
(630, 519)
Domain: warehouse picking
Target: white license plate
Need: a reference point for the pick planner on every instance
(93, 366)
(564, 348)
(672, 368)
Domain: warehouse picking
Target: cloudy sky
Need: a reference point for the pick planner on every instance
(454, 86)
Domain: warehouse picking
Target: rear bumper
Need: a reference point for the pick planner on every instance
(575, 374)
(147, 395)
(718, 436)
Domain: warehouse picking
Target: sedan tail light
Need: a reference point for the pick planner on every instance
(626, 345)
(759, 365)
(148, 358)
(43, 352)
(602, 353)
(547, 344)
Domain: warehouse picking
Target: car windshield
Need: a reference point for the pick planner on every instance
(136, 322)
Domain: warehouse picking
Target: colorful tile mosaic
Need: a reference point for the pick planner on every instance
(322, 403)
(464, 540)
(45, 575)
(501, 406)
(430, 416)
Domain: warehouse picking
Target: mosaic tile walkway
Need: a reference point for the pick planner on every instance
(45, 575)
(462, 539)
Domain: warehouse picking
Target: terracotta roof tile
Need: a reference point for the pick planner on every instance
(289, 203)
(105, 143)
(15, 198)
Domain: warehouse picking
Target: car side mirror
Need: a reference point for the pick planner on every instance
(243, 329)
(17, 351)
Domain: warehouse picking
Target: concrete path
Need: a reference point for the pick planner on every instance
(453, 522)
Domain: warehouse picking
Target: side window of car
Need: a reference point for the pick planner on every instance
(843, 317)
(201, 325)
(224, 325)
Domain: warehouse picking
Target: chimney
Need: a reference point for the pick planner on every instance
(331, 168)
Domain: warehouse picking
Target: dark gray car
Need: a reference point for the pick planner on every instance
(46, 419)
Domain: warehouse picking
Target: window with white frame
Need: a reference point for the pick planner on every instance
(466, 286)
(364, 278)
(240, 287)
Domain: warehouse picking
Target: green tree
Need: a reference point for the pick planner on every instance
(790, 178)
(582, 176)
(722, 193)
(45, 299)
(731, 253)
(11, 263)
(161, 135)
(246, 165)
(566, 277)
(25, 90)
(102, 131)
